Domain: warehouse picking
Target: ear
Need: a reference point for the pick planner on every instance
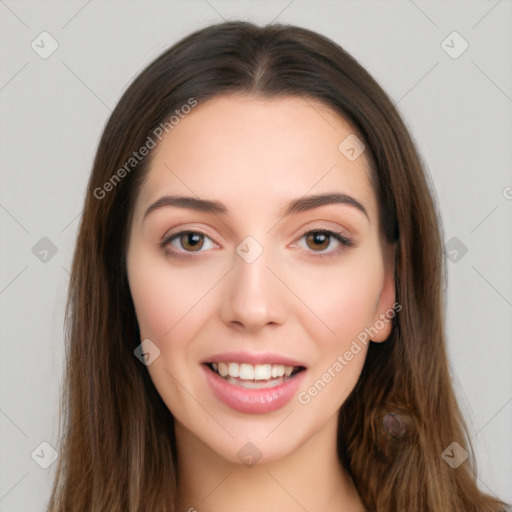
(386, 307)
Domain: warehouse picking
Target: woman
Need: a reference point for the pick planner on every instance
(256, 302)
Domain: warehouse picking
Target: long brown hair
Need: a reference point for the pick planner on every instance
(117, 451)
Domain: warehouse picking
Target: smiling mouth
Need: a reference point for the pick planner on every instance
(259, 376)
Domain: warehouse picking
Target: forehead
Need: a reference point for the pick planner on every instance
(248, 151)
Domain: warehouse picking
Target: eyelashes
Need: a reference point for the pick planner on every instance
(189, 244)
(195, 240)
(321, 236)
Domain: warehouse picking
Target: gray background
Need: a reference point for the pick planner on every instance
(52, 114)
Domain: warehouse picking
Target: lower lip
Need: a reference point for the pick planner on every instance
(253, 401)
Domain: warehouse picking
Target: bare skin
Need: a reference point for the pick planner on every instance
(307, 296)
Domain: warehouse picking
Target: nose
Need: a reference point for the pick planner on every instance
(254, 296)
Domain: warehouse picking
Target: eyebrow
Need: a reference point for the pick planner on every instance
(310, 202)
(297, 205)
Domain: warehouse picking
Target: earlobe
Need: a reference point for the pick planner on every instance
(387, 307)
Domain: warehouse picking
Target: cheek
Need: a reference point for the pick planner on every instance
(164, 296)
(155, 302)
(343, 299)
(170, 310)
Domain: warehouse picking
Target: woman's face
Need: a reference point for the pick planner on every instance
(255, 252)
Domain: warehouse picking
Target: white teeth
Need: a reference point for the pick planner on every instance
(233, 369)
(277, 370)
(256, 384)
(249, 372)
(246, 371)
(262, 371)
(223, 369)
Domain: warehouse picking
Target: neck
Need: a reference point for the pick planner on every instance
(310, 478)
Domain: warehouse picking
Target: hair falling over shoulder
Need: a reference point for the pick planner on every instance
(117, 451)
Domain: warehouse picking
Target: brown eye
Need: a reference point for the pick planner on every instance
(186, 244)
(191, 241)
(325, 243)
(318, 240)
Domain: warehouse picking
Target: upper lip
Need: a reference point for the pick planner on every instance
(253, 358)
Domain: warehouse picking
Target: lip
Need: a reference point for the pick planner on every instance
(253, 401)
(253, 358)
